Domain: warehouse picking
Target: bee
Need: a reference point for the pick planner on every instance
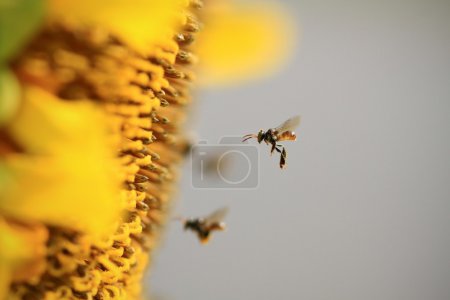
(284, 132)
(205, 225)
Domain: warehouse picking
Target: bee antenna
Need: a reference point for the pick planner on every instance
(249, 136)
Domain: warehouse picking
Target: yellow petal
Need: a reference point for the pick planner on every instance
(22, 252)
(241, 42)
(13, 250)
(47, 124)
(68, 175)
(137, 22)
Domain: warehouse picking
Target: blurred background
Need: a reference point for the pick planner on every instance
(362, 210)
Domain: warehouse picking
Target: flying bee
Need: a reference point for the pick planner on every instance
(284, 132)
(205, 225)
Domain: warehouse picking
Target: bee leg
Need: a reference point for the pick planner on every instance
(283, 158)
(273, 149)
(277, 149)
(282, 162)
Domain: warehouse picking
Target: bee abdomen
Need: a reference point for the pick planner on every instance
(287, 136)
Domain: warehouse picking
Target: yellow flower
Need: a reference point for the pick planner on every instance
(90, 155)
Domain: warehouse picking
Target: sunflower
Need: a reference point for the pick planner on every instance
(93, 95)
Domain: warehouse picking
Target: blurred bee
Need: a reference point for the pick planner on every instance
(284, 132)
(204, 226)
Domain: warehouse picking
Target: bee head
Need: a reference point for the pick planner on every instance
(191, 224)
(261, 136)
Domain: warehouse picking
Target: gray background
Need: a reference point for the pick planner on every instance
(363, 209)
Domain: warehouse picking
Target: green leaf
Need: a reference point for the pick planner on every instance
(9, 95)
(19, 19)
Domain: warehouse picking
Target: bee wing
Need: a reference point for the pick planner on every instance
(289, 125)
(216, 216)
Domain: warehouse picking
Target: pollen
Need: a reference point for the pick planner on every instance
(144, 98)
